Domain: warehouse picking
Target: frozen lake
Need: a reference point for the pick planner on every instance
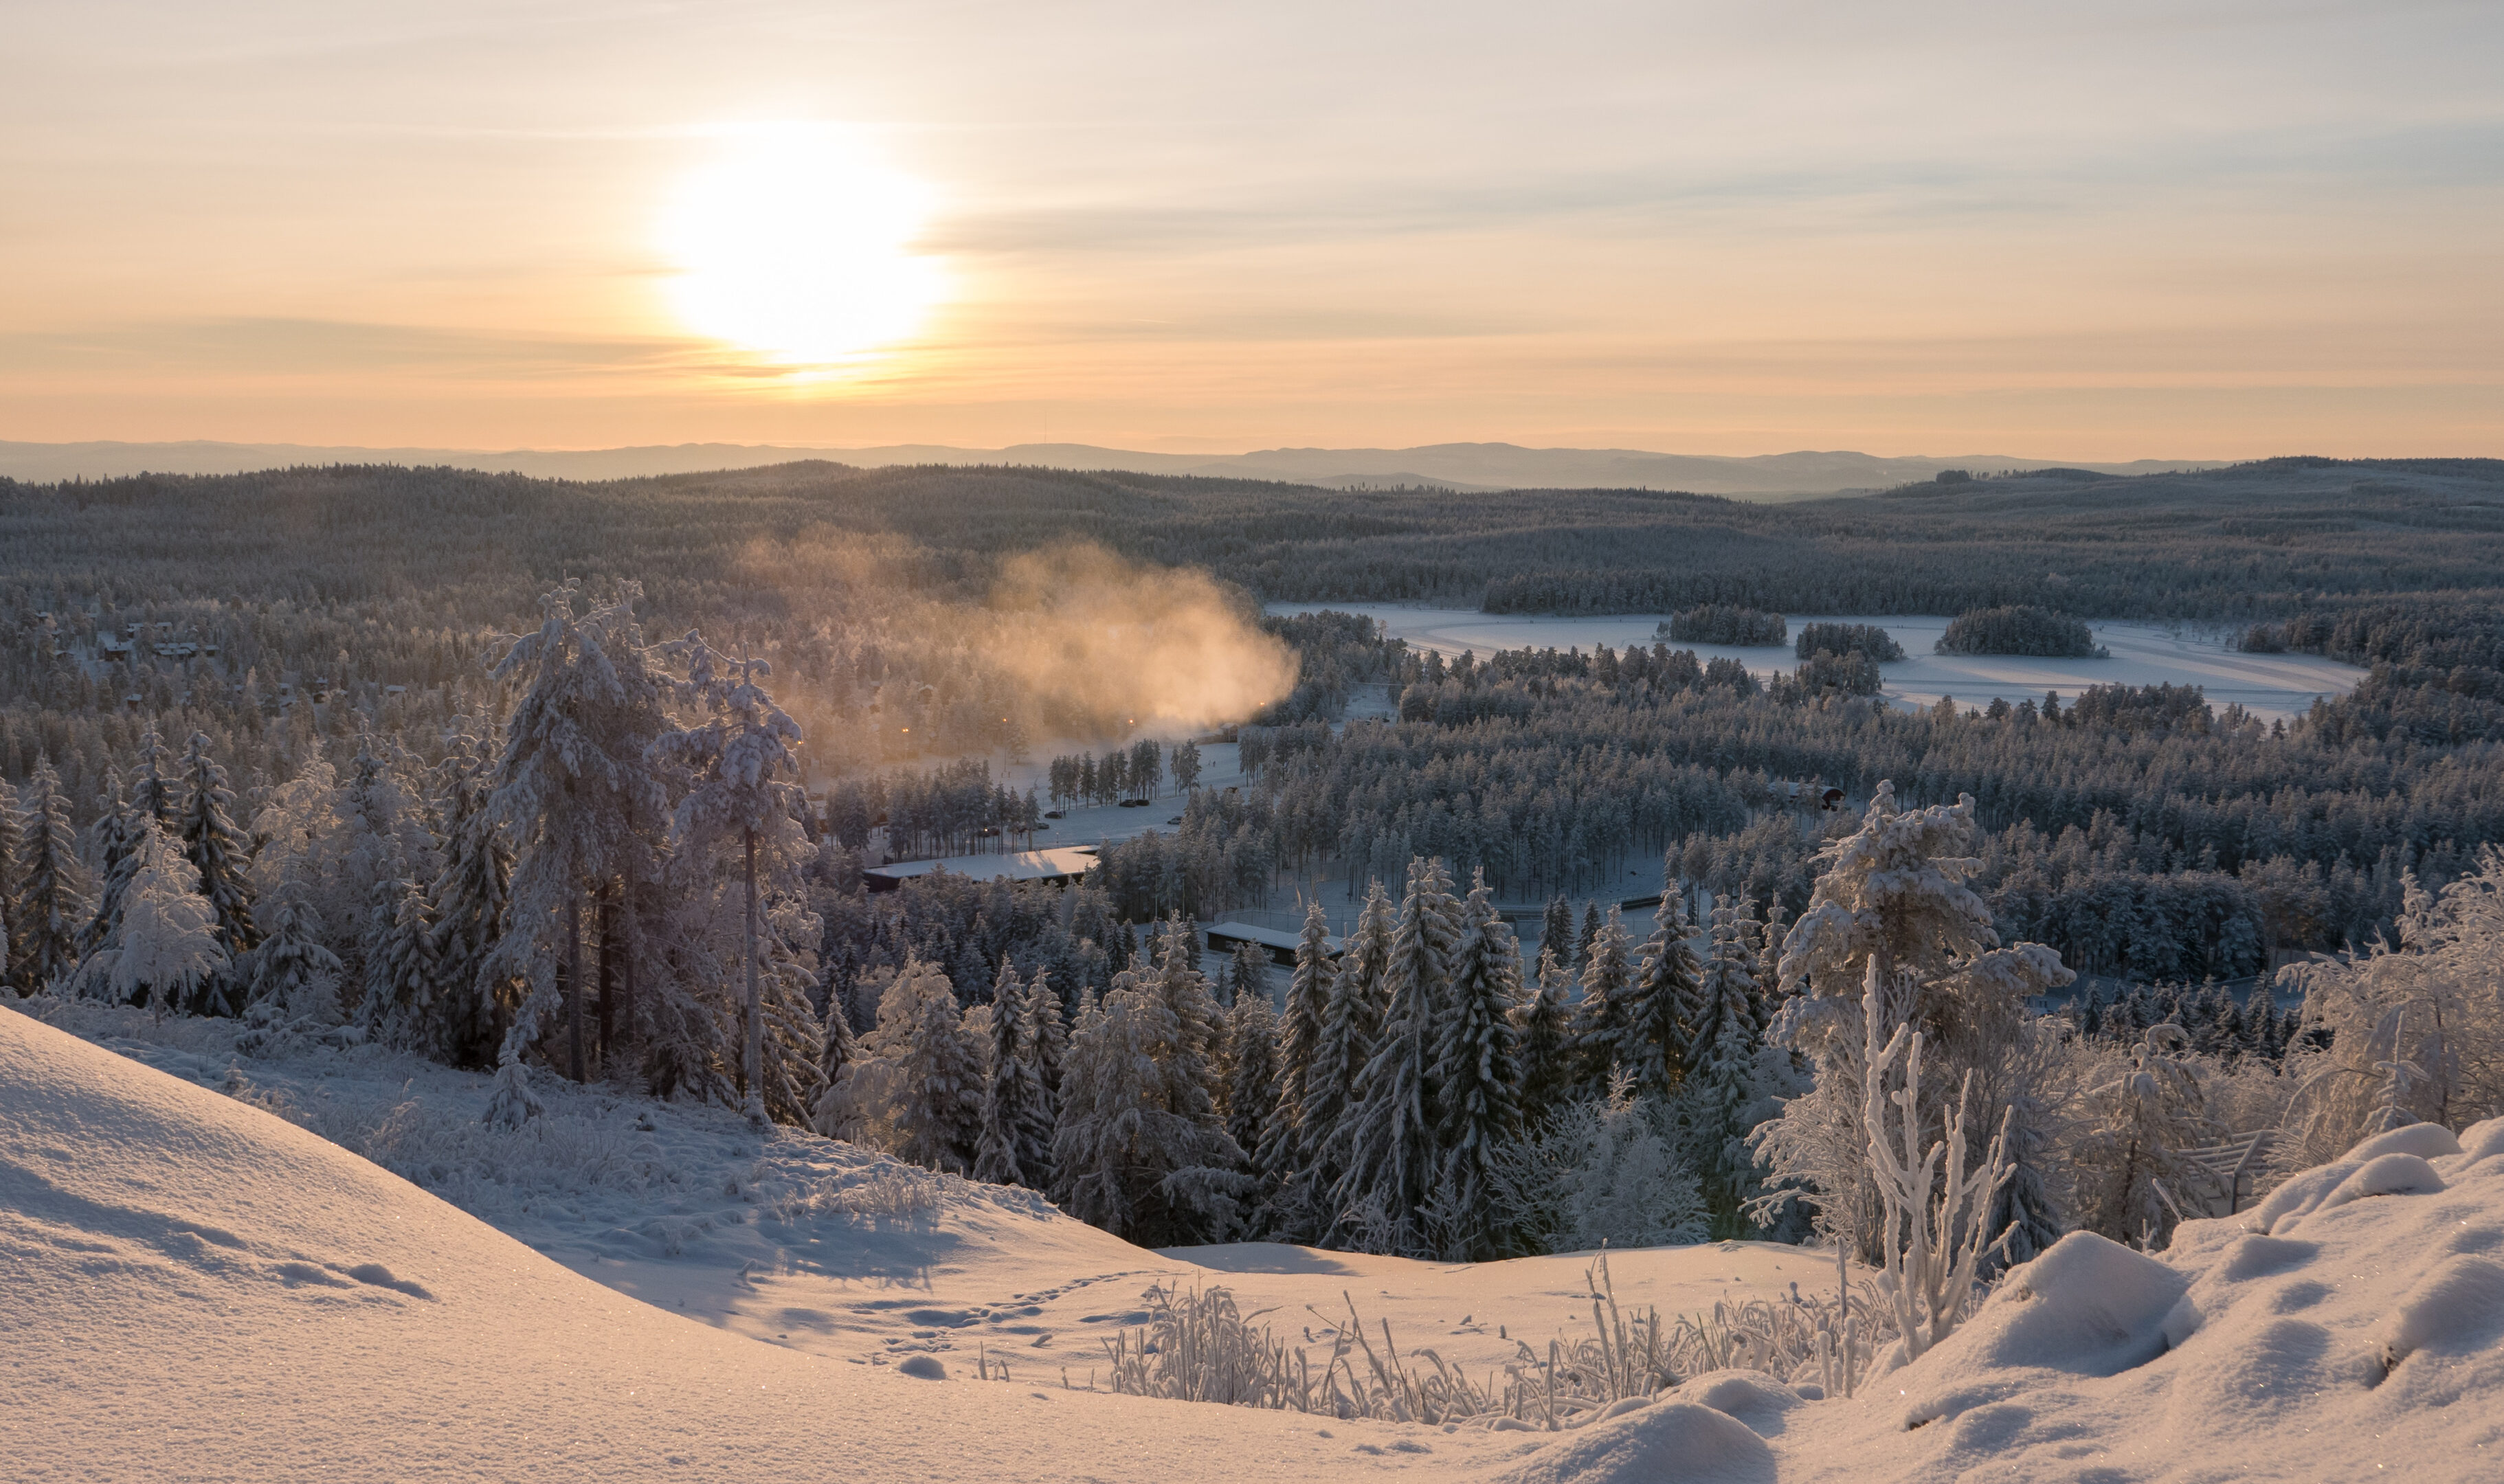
(2268, 686)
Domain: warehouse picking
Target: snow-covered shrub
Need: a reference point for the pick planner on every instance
(1598, 1171)
(2433, 1000)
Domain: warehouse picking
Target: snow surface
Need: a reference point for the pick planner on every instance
(2268, 685)
(191, 1288)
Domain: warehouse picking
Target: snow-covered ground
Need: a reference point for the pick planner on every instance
(191, 1288)
(2268, 686)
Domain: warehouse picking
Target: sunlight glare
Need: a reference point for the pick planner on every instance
(797, 243)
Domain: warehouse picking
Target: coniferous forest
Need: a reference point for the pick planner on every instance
(518, 774)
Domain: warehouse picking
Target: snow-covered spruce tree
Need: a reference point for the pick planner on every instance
(1251, 1072)
(294, 978)
(50, 905)
(836, 1052)
(2131, 1171)
(1590, 934)
(1284, 1154)
(163, 948)
(938, 1114)
(1050, 1033)
(218, 851)
(1393, 1155)
(1012, 1090)
(1351, 1028)
(467, 904)
(739, 756)
(1543, 1021)
(298, 834)
(1891, 895)
(115, 838)
(2433, 999)
(402, 1002)
(1127, 1157)
(1476, 1076)
(11, 868)
(1556, 930)
(1198, 1030)
(152, 787)
(1251, 967)
(579, 800)
(1725, 1080)
(1599, 1018)
(1648, 1027)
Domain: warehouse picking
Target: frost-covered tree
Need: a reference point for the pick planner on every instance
(1649, 1026)
(1050, 1037)
(51, 904)
(2431, 1000)
(11, 867)
(938, 1114)
(1127, 1156)
(1477, 1074)
(1724, 1082)
(1013, 1093)
(1599, 1017)
(152, 787)
(1197, 1040)
(1251, 1071)
(403, 999)
(294, 976)
(468, 905)
(578, 797)
(1393, 1156)
(163, 948)
(1594, 1172)
(1556, 930)
(1544, 1022)
(739, 756)
(1287, 1146)
(217, 849)
(1251, 971)
(1892, 909)
(116, 837)
(2132, 1170)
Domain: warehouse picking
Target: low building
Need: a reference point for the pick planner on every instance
(1281, 946)
(1066, 864)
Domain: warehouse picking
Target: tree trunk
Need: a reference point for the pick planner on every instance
(626, 961)
(574, 982)
(755, 1060)
(607, 927)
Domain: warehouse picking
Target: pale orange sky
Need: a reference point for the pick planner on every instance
(2134, 229)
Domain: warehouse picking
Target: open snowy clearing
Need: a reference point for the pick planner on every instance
(2268, 686)
(195, 1288)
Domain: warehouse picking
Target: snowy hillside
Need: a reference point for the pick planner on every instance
(196, 1289)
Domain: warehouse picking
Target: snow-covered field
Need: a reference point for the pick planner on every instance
(2268, 686)
(191, 1288)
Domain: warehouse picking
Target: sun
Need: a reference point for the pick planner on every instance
(797, 243)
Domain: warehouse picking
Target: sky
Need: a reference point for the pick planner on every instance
(2191, 230)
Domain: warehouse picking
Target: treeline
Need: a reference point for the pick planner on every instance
(1724, 623)
(2019, 629)
(1868, 639)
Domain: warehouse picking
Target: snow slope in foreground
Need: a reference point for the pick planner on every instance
(192, 1288)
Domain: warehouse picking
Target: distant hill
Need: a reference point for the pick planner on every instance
(1447, 465)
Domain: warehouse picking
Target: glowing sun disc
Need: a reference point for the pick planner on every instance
(797, 244)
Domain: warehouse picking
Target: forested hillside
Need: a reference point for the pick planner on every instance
(511, 772)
